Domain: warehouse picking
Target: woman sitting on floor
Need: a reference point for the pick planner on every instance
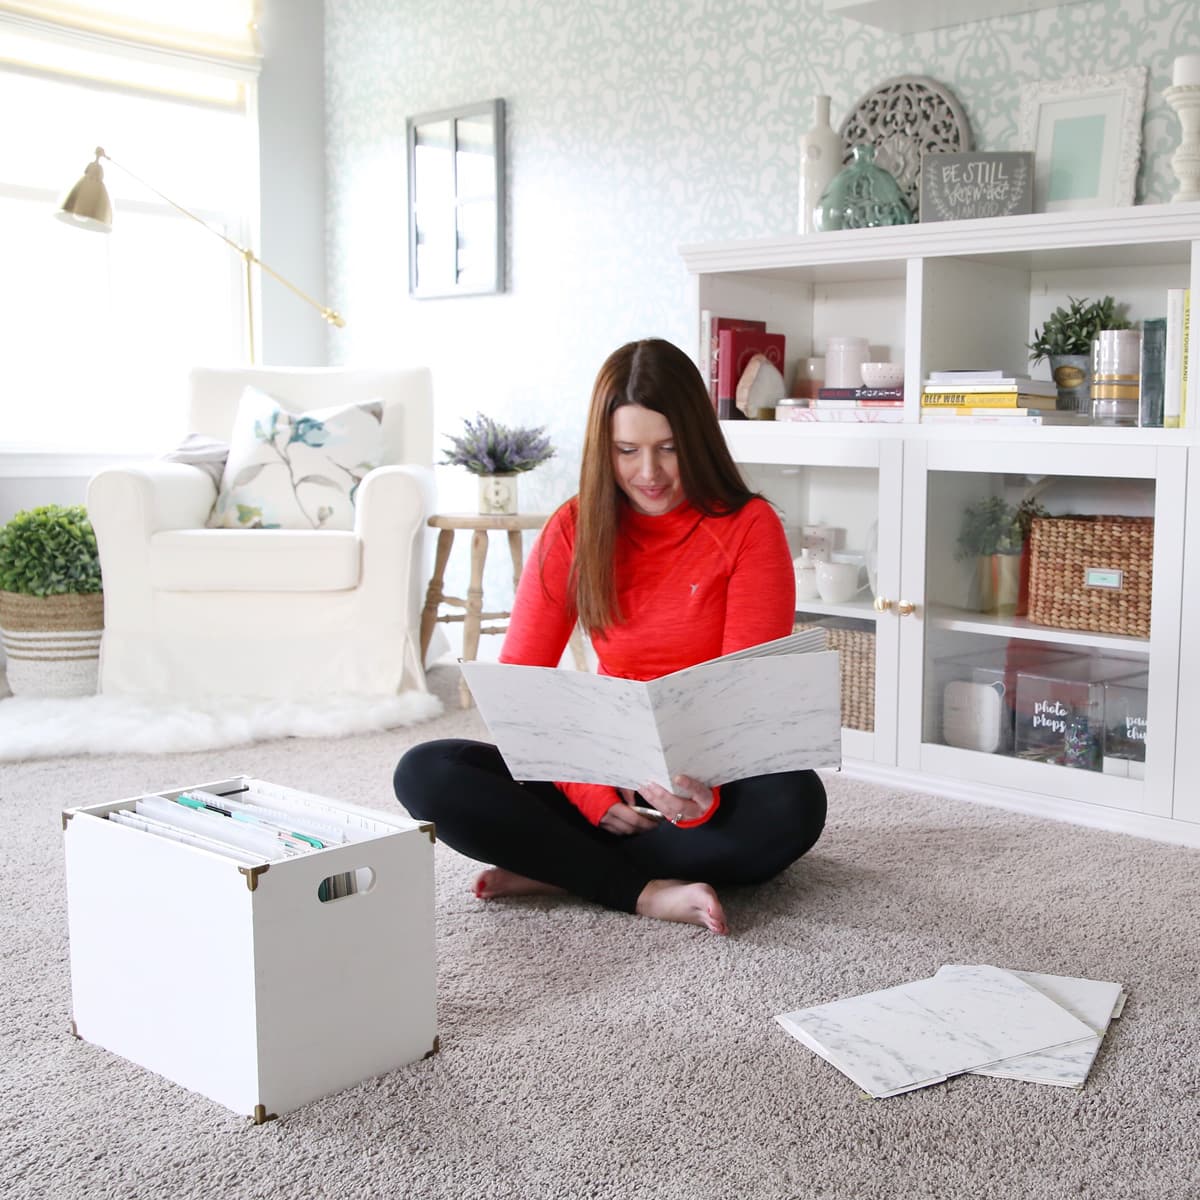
(667, 559)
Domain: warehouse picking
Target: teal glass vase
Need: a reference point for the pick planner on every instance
(862, 194)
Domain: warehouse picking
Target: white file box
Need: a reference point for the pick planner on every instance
(240, 982)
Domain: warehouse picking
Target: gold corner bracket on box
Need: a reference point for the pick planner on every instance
(430, 828)
(260, 1116)
(252, 874)
(67, 814)
(75, 1031)
(437, 1045)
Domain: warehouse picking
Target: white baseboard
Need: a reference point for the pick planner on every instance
(1114, 820)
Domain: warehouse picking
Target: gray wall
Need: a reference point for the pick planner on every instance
(633, 128)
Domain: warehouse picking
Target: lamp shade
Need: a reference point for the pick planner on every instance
(87, 205)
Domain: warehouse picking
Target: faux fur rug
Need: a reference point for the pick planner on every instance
(32, 727)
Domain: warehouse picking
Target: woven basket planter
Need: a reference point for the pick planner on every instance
(52, 643)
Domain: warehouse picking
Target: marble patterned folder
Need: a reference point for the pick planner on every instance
(921, 1033)
(769, 708)
(1093, 1001)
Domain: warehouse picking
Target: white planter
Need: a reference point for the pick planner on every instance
(497, 495)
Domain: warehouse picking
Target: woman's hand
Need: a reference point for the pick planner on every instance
(623, 818)
(689, 802)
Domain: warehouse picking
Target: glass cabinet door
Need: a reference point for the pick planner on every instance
(1051, 672)
(839, 502)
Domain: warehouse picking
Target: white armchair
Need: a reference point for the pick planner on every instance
(284, 613)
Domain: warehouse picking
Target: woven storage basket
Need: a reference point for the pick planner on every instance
(856, 661)
(52, 643)
(1062, 550)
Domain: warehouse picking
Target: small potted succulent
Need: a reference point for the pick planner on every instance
(994, 533)
(498, 455)
(1066, 340)
(51, 604)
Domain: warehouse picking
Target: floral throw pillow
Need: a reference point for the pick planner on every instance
(296, 470)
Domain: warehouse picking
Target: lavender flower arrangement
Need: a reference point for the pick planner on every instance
(489, 448)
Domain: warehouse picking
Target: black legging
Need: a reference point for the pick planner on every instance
(763, 825)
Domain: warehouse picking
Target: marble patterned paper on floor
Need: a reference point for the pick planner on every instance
(1095, 1002)
(922, 1032)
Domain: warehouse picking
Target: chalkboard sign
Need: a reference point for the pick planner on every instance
(976, 183)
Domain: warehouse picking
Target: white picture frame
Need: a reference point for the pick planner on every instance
(1086, 136)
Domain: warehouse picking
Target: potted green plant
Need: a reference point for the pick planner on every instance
(994, 533)
(498, 454)
(51, 604)
(1066, 340)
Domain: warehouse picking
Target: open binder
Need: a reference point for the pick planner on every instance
(769, 708)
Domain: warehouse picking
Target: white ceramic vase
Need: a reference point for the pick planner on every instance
(820, 161)
(844, 357)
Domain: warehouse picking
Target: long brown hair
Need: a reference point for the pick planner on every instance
(660, 377)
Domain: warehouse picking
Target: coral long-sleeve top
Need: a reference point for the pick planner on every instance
(689, 588)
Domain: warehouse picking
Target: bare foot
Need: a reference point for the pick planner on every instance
(496, 882)
(689, 903)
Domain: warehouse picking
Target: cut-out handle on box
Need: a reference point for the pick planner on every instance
(344, 884)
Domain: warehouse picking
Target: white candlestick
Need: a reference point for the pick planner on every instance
(1187, 70)
(1185, 162)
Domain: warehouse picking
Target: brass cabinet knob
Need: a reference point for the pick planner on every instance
(882, 604)
(904, 608)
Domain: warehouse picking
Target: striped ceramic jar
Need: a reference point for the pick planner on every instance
(52, 643)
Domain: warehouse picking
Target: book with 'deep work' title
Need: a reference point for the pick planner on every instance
(1001, 399)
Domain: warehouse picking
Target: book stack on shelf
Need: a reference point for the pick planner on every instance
(727, 345)
(992, 397)
(846, 404)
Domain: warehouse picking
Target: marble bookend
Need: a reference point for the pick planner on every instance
(768, 709)
(923, 1032)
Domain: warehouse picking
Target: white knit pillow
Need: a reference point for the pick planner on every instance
(296, 470)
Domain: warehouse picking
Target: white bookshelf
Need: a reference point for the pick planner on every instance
(967, 294)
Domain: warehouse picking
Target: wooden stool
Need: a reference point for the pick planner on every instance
(448, 524)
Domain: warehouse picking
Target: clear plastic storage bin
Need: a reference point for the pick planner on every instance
(1060, 711)
(1125, 726)
(979, 693)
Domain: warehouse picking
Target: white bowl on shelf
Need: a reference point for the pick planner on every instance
(882, 374)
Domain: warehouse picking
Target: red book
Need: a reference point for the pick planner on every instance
(719, 325)
(735, 350)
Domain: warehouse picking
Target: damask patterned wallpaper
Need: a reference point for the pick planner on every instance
(635, 126)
